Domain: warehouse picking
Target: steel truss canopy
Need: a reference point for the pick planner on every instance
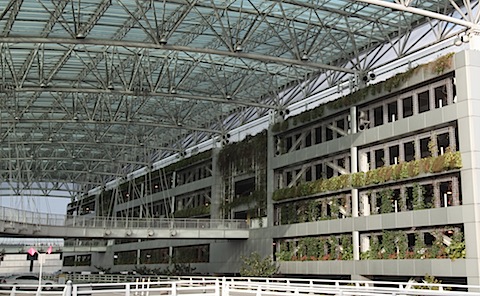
(91, 90)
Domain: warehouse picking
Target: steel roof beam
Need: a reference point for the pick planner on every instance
(180, 96)
(423, 12)
(133, 44)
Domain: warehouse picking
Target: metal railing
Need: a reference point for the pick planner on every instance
(36, 218)
(196, 286)
(30, 217)
(177, 223)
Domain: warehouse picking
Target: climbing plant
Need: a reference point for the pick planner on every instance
(256, 266)
(450, 161)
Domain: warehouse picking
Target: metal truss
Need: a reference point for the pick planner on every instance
(93, 90)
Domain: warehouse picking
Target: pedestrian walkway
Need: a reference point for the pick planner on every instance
(19, 223)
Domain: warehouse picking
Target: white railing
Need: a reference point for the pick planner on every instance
(29, 217)
(161, 285)
(177, 223)
(36, 218)
(243, 286)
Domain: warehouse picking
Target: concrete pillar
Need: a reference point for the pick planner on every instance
(354, 192)
(217, 192)
(468, 102)
(270, 177)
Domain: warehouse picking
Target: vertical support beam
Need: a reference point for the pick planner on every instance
(270, 177)
(217, 195)
(468, 104)
(354, 191)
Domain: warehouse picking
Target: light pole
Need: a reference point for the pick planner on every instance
(41, 261)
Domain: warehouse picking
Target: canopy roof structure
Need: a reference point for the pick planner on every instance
(91, 90)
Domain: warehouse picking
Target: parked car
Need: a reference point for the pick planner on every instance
(26, 281)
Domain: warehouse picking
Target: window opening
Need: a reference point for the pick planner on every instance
(308, 139)
(341, 162)
(289, 178)
(423, 102)
(411, 241)
(318, 171)
(340, 125)
(428, 195)
(443, 142)
(318, 135)
(297, 146)
(379, 158)
(441, 96)
(328, 134)
(392, 112)
(378, 116)
(288, 143)
(428, 239)
(308, 174)
(330, 172)
(409, 149)
(424, 149)
(394, 153)
(396, 200)
(407, 107)
(446, 196)
(409, 198)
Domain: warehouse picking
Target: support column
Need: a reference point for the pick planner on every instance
(354, 191)
(468, 104)
(217, 192)
(270, 177)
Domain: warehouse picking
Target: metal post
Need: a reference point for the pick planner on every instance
(224, 287)
(127, 290)
(41, 260)
(68, 288)
(174, 289)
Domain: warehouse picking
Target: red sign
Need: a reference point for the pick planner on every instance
(32, 251)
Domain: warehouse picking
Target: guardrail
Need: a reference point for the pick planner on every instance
(214, 286)
(287, 286)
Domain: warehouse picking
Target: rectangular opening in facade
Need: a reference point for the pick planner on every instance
(396, 200)
(428, 238)
(340, 125)
(318, 135)
(288, 177)
(297, 142)
(409, 198)
(443, 142)
(330, 172)
(407, 104)
(424, 149)
(341, 162)
(379, 158)
(318, 171)
(288, 143)
(308, 174)
(409, 151)
(308, 139)
(392, 112)
(441, 96)
(423, 102)
(394, 153)
(428, 192)
(328, 134)
(378, 116)
(446, 194)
